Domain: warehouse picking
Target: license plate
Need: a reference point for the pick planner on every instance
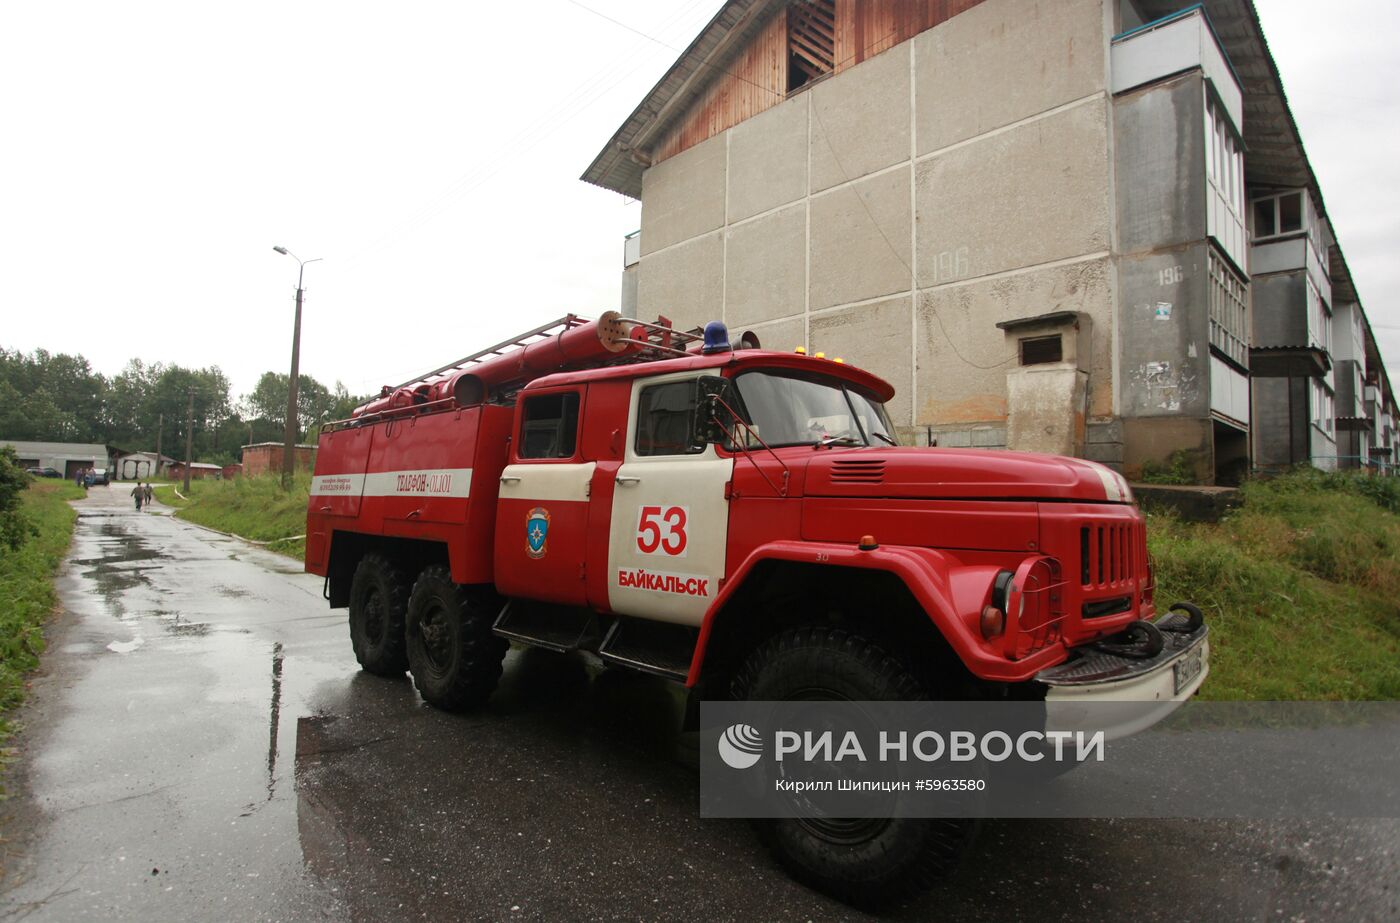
(1186, 669)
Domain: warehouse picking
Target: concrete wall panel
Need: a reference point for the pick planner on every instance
(1159, 137)
(1153, 440)
(1271, 415)
(860, 240)
(873, 337)
(1036, 193)
(963, 358)
(1280, 309)
(1165, 341)
(683, 196)
(783, 335)
(766, 268)
(768, 160)
(1002, 61)
(860, 120)
(683, 283)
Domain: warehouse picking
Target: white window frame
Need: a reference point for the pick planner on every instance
(1229, 310)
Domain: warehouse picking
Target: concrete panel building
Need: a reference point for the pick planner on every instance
(1036, 218)
(67, 458)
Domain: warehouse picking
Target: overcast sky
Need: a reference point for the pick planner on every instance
(153, 153)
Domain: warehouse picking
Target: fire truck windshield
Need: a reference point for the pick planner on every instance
(792, 408)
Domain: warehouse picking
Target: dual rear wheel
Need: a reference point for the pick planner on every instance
(438, 630)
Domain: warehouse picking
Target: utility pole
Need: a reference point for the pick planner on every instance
(160, 431)
(289, 447)
(289, 451)
(189, 441)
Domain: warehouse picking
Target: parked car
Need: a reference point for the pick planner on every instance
(44, 472)
(100, 476)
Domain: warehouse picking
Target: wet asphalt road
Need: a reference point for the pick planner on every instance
(199, 744)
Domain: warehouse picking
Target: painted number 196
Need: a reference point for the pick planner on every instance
(662, 530)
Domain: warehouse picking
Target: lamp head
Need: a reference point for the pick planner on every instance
(281, 250)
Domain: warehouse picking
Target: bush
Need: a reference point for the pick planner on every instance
(15, 527)
(26, 585)
(1179, 469)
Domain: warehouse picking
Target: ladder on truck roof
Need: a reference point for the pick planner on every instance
(658, 341)
(542, 332)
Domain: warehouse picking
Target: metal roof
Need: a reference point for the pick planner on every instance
(73, 449)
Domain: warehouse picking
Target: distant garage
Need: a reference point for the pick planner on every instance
(67, 457)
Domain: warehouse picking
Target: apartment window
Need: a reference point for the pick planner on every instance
(1319, 319)
(1224, 157)
(811, 41)
(1226, 216)
(1278, 215)
(1229, 311)
(1324, 407)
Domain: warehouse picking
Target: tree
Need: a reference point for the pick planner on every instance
(268, 401)
(44, 396)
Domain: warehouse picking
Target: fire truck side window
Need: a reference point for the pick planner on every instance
(549, 426)
(664, 419)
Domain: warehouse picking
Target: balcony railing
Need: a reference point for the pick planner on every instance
(1174, 44)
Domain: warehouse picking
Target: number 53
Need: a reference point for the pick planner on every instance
(664, 530)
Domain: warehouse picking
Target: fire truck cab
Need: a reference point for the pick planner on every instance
(739, 520)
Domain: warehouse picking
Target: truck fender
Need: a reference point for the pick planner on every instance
(921, 569)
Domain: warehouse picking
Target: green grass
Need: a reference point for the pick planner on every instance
(253, 508)
(26, 586)
(1301, 588)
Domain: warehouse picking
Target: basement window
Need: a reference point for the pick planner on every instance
(1040, 350)
(811, 28)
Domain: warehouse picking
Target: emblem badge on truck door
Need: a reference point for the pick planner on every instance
(537, 532)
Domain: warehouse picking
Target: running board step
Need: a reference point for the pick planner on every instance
(555, 628)
(659, 648)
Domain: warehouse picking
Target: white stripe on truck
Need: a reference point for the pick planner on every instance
(424, 482)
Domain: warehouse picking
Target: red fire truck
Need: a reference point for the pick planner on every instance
(739, 520)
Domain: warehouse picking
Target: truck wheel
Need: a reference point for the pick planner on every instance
(862, 861)
(378, 599)
(454, 657)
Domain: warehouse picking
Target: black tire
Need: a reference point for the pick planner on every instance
(378, 602)
(863, 862)
(453, 655)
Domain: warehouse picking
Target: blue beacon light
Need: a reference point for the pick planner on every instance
(716, 338)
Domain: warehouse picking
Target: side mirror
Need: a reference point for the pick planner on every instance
(710, 392)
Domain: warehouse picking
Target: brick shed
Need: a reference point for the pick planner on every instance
(266, 458)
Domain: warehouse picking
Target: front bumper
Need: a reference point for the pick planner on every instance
(1125, 695)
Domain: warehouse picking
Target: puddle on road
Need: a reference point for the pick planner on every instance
(113, 575)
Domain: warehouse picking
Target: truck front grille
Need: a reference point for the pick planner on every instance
(1108, 554)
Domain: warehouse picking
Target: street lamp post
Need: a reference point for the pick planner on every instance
(289, 449)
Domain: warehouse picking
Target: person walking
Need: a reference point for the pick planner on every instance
(139, 493)
(150, 494)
